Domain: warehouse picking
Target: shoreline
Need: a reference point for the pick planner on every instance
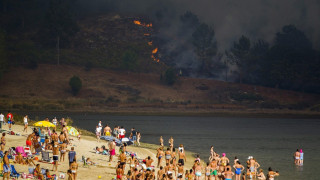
(248, 113)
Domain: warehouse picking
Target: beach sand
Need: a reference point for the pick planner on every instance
(85, 147)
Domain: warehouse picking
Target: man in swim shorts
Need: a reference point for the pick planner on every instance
(55, 152)
(214, 168)
(182, 157)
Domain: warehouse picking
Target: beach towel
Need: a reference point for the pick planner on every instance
(14, 173)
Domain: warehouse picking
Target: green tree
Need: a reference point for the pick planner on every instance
(170, 76)
(60, 25)
(291, 59)
(130, 61)
(205, 47)
(75, 84)
(3, 53)
(240, 56)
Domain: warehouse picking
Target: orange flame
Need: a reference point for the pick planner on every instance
(155, 51)
(142, 24)
(147, 34)
(150, 43)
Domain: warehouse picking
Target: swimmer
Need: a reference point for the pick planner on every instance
(238, 167)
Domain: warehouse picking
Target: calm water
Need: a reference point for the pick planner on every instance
(271, 141)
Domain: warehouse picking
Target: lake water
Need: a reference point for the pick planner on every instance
(271, 141)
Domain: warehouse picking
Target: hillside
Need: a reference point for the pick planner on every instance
(47, 88)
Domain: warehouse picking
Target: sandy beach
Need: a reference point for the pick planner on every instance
(85, 147)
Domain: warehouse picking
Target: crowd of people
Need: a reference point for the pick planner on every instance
(169, 163)
(39, 141)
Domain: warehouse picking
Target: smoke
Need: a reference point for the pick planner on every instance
(256, 19)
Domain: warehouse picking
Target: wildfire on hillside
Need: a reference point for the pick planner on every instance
(150, 43)
(142, 24)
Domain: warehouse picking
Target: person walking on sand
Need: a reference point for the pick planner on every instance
(301, 157)
(122, 133)
(10, 120)
(296, 157)
(238, 167)
(134, 135)
(98, 133)
(72, 156)
(1, 120)
(112, 149)
(25, 121)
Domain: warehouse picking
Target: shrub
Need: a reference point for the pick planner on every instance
(170, 76)
(75, 84)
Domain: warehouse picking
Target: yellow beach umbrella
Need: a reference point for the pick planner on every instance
(72, 131)
(44, 124)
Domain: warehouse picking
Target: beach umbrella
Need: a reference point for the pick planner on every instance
(44, 124)
(72, 131)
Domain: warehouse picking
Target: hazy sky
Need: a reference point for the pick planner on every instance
(233, 18)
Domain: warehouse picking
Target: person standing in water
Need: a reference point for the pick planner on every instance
(238, 167)
(301, 157)
(296, 157)
(161, 141)
(138, 138)
(171, 143)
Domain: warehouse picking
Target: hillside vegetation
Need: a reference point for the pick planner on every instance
(47, 88)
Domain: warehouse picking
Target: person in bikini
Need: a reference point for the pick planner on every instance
(63, 150)
(208, 170)
(271, 174)
(55, 152)
(161, 141)
(37, 172)
(62, 138)
(238, 167)
(160, 154)
(168, 155)
(149, 162)
(261, 175)
(119, 172)
(123, 160)
(224, 160)
(197, 170)
(296, 157)
(171, 143)
(74, 169)
(228, 174)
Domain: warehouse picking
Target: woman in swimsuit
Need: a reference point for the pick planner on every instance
(272, 174)
(171, 143)
(37, 172)
(301, 157)
(238, 167)
(261, 175)
(160, 155)
(208, 171)
(197, 170)
(138, 138)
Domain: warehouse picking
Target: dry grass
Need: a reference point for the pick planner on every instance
(47, 88)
